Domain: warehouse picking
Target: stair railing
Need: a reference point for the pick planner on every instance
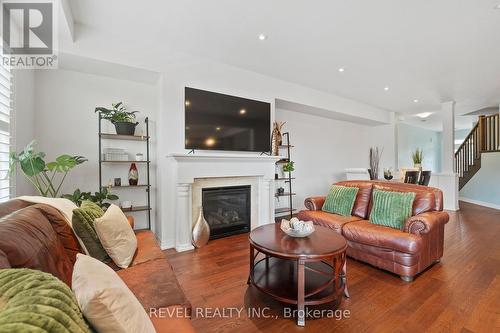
(490, 132)
(469, 151)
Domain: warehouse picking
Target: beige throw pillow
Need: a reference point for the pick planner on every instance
(116, 236)
(105, 300)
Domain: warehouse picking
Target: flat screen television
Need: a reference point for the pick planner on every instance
(223, 122)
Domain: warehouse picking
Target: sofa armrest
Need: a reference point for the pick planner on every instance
(314, 203)
(426, 222)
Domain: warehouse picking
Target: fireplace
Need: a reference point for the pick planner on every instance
(227, 210)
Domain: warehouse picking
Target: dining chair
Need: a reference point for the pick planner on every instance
(411, 177)
(425, 178)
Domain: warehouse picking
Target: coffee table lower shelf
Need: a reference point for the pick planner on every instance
(320, 282)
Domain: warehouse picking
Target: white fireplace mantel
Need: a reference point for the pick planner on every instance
(254, 170)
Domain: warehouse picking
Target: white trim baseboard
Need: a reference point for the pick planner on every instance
(480, 203)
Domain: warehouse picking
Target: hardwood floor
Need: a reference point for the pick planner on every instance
(460, 294)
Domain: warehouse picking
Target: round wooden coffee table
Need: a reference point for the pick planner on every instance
(302, 271)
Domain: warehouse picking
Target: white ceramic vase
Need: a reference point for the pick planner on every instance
(201, 231)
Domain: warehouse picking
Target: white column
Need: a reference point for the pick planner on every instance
(448, 149)
(266, 203)
(448, 179)
(183, 218)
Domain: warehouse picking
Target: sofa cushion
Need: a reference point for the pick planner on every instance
(383, 237)
(147, 248)
(340, 200)
(28, 240)
(35, 301)
(363, 198)
(154, 284)
(391, 209)
(83, 226)
(325, 219)
(116, 236)
(425, 198)
(105, 300)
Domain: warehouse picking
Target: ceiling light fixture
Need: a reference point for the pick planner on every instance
(424, 115)
(341, 70)
(262, 37)
(386, 88)
(243, 111)
(415, 101)
(497, 6)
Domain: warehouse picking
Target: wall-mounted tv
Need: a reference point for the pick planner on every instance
(222, 122)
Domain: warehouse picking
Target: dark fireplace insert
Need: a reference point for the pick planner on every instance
(227, 210)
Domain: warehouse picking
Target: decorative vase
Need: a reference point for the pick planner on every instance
(277, 139)
(125, 127)
(133, 175)
(201, 231)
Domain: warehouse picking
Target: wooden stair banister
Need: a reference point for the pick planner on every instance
(483, 138)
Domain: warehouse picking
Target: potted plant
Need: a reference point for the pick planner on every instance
(417, 156)
(46, 177)
(289, 166)
(98, 197)
(118, 115)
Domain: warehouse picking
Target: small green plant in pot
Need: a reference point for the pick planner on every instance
(118, 115)
(417, 156)
(289, 167)
(46, 177)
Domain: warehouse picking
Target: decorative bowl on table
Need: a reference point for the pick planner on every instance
(297, 228)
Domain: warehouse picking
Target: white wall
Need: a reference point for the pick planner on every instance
(410, 138)
(324, 148)
(484, 187)
(66, 124)
(24, 120)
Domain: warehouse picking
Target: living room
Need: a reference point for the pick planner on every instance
(166, 114)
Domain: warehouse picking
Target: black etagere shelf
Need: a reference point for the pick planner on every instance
(288, 178)
(146, 163)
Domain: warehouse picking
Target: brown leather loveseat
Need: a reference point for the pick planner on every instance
(37, 236)
(404, 252)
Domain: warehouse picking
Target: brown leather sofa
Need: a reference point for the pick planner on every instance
(37, 236)
(404, 252)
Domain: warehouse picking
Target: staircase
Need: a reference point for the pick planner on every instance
(484, 138)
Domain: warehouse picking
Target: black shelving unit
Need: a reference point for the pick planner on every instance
(287, 179)
(147, 163)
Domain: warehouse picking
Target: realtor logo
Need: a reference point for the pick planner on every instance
(28, 34)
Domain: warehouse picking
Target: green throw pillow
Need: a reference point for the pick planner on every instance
(34, 301)
(340, 200)
(83, 225)
(391, 209)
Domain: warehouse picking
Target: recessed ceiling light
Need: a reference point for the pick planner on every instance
(243, 111)
(415, 101)
(341, 70)
(187, 103)
(386, 88)
(217, 128)
(262, 37)
(497, 6)
(424, 115)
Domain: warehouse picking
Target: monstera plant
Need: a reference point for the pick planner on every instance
(46, 177)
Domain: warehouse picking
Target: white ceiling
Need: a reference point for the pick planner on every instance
(430, 50)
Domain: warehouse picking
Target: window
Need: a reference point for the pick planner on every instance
(6, 184)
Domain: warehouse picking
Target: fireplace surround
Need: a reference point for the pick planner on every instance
(192, 173)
